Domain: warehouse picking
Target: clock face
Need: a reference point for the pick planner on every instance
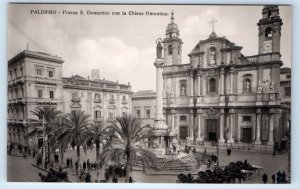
(267, 46)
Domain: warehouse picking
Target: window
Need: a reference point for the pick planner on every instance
(268, 32)
(10, 73)
(147, 113)
(287, 91)
(21, 70)
(97, 114)
(170, 50)
(124, 97)
(15, 72)
(40, 94)
(138, 113)
(288, 76)
(38, 72)
(51, 74)
(51, 94)
(182, 118)
(178, 49)
(111, 115)
(96, 96)
(212, 85)
(183, 88)
(269, 13)
(246, 118)
(247, 85)
(124, 114)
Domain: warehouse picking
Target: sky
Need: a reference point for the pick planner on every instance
(123, 47)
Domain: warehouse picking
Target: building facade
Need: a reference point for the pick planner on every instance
(35, 79)
(223, 96)
(103, 100)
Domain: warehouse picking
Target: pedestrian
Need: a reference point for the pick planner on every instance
(71, 162)
(68, 162)
(88, 164)
(273, 178)
(209, 163)
(106, 175)
(84, 165)
(130, 180)
(283, 177)
(88, 177)
(115, 179)
(265, 178)
(76, 166)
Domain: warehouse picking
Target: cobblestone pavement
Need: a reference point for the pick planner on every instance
(21, 170)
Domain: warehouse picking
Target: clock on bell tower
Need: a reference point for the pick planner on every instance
(269, 30)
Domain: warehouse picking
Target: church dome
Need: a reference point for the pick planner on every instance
(172, 27)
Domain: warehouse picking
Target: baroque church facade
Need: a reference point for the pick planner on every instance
(222, 96)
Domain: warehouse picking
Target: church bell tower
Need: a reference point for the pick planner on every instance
(269, 30)
(172, 44)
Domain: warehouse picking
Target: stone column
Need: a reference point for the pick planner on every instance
(199, 85)
(191, 128)
(258, 126)
(173, 120)
(231, 124)
(159, 117)
(231, 81)
(221, 138)
(192, 85)
(271, 127)
(222, 82)
(199, 133)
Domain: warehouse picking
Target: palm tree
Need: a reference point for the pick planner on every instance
(59, 123)
(128, 131)
(46, 115)
(94, 134)
(73, 131)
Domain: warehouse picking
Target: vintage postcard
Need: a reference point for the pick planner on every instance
(150, 93)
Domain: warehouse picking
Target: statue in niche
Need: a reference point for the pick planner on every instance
(159, 48)
(247, 86)
(212, 55)
(259, 88)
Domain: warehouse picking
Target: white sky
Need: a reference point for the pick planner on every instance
(123, 47)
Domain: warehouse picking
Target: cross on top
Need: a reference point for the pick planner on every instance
(213, 21)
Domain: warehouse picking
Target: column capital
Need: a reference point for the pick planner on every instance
(159, 63)
(222, 111)
(232, 111)
(191, 111)
(200, 111)
(173, 111)
(258, 111)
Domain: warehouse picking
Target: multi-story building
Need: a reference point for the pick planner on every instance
(34, 79)
(222, 95)
(143, 104)
(102, 99)
(285, 94)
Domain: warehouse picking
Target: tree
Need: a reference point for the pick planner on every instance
(73, 131)
(95, 134)
(128, 131)
(46, 115)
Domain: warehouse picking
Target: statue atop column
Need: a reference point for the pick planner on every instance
(159, 48)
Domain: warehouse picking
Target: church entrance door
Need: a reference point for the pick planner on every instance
(212, 129)
(247, 133)
(183, 132)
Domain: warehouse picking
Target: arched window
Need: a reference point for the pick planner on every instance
(212, 85)
(96, 96)
(183, 88)
(170, 50)
(247, 84)
(178, 49)
(268, 32)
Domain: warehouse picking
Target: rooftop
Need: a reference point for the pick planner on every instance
(144, 93)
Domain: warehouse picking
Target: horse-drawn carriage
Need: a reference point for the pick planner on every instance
(54, 176)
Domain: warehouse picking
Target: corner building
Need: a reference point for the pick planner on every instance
(223, 96)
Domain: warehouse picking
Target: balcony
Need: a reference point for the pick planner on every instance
(97, 100)
(76, 99)
(46, 81)
(112, 101)
(47, 101)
